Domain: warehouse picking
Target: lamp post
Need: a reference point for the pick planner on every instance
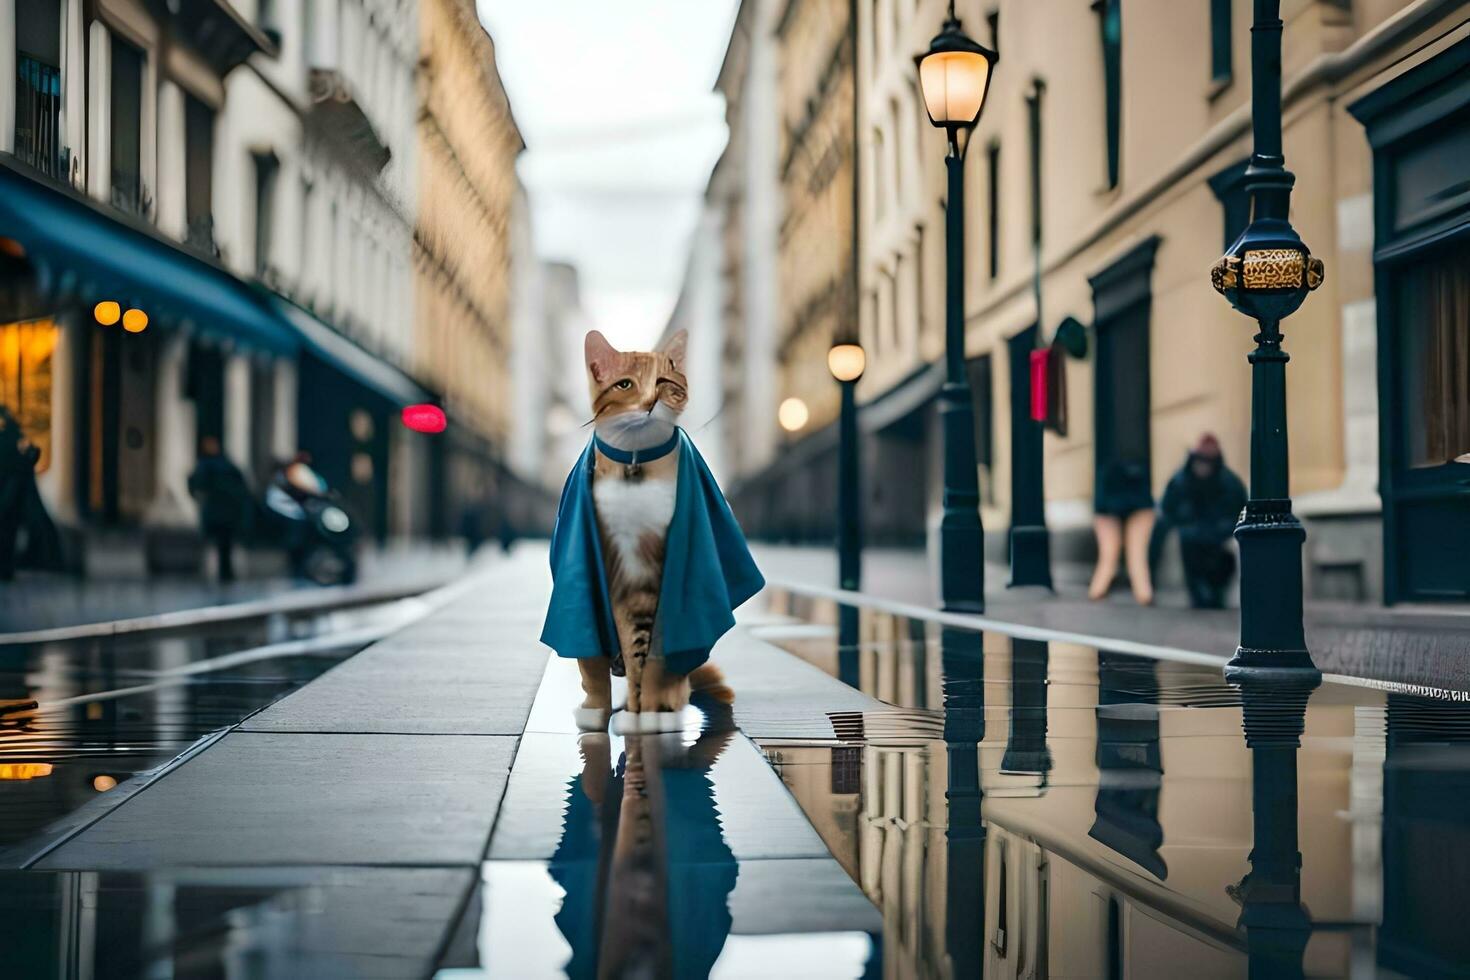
(1266, 275)
(847, 361)
(954, 76)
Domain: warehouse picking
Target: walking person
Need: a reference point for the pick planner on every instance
(15, 465)
(1203, 502)
(224, 502)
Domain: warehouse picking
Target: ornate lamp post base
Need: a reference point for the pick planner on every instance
(961, 538)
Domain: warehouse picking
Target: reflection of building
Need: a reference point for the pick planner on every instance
(1137, 125)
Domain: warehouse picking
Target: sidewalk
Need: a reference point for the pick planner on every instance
(43, 601)
(363, 806)
(1411, 645)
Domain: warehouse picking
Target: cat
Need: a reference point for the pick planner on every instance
(637, 398)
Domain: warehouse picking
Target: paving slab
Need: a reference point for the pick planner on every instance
(405, 688)
(780, 696)
(286, 923)
(259, 799)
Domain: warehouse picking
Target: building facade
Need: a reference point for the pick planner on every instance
(209, 220)
(471, 220)
(1101, 183)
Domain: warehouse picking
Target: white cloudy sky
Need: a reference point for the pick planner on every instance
(614, 100)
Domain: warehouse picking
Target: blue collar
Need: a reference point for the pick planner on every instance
(636, 456)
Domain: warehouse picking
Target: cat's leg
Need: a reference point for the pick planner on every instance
(664, 696)
(633, 613)
(596, 706)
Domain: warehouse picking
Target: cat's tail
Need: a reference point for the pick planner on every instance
(708, 680)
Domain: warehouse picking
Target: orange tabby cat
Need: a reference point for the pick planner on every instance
(637, 397)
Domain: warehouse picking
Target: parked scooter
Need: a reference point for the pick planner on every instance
(319, 535)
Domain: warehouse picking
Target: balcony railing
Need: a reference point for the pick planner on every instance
(38, 116)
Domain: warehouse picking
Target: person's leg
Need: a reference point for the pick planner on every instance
(1136, 533)
(1109, 531)
(1197, 557)
(224, 544)
(9, 529)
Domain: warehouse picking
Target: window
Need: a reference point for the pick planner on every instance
(978, 369)
(25, 380)
(266, 168)
(992, 230)
(199, 174)
(1229, 188)
(38, 85)
(1434, 305)
(127, 123)
(1220, 47)
(1109, 17)
(880, 173)
(1033, 119)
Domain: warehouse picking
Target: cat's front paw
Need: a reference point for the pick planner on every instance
(627, 723)
(591, 719)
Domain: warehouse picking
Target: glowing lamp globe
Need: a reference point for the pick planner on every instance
(428, 419)
(793, 414)
(954, 77)
(847, 362)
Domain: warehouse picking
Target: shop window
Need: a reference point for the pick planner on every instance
(1434, 309)
(26, 350)
(127, 122)
(38, 85)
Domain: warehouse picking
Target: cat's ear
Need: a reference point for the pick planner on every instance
(601, 356)
(676, 347)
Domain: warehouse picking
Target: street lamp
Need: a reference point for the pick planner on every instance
(1266, 275)
(847, 361)
(954, 76)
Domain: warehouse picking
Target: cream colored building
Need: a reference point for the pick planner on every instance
(471, 216)
(1140, 109)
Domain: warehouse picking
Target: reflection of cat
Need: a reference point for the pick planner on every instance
(637, 462)
(643, 860)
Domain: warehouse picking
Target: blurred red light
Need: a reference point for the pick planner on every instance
(425, 418)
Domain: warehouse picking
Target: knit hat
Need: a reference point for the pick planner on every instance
(1208, 446)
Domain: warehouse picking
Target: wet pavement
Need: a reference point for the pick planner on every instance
(85, 723)
(917, 801)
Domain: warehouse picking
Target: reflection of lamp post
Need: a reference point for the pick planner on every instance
(954, 75)
(1276, 925)
(963, 658)
(1266, 275)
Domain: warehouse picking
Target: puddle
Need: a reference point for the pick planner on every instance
(1033, 808)
(110, 708)
(674, 855)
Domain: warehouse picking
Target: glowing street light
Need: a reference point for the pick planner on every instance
(793, 414)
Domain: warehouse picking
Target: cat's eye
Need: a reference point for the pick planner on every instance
(624, 384)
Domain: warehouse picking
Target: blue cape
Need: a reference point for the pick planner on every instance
(708, 570)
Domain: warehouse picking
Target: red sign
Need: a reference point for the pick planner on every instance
(1041, 383)
(425, 418)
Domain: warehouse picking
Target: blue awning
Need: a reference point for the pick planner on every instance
(365, 368)
(82, 252)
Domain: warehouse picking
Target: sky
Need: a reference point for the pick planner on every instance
(614, 100)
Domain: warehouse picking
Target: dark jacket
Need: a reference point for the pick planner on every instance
(224, 497)
(1204, 511)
